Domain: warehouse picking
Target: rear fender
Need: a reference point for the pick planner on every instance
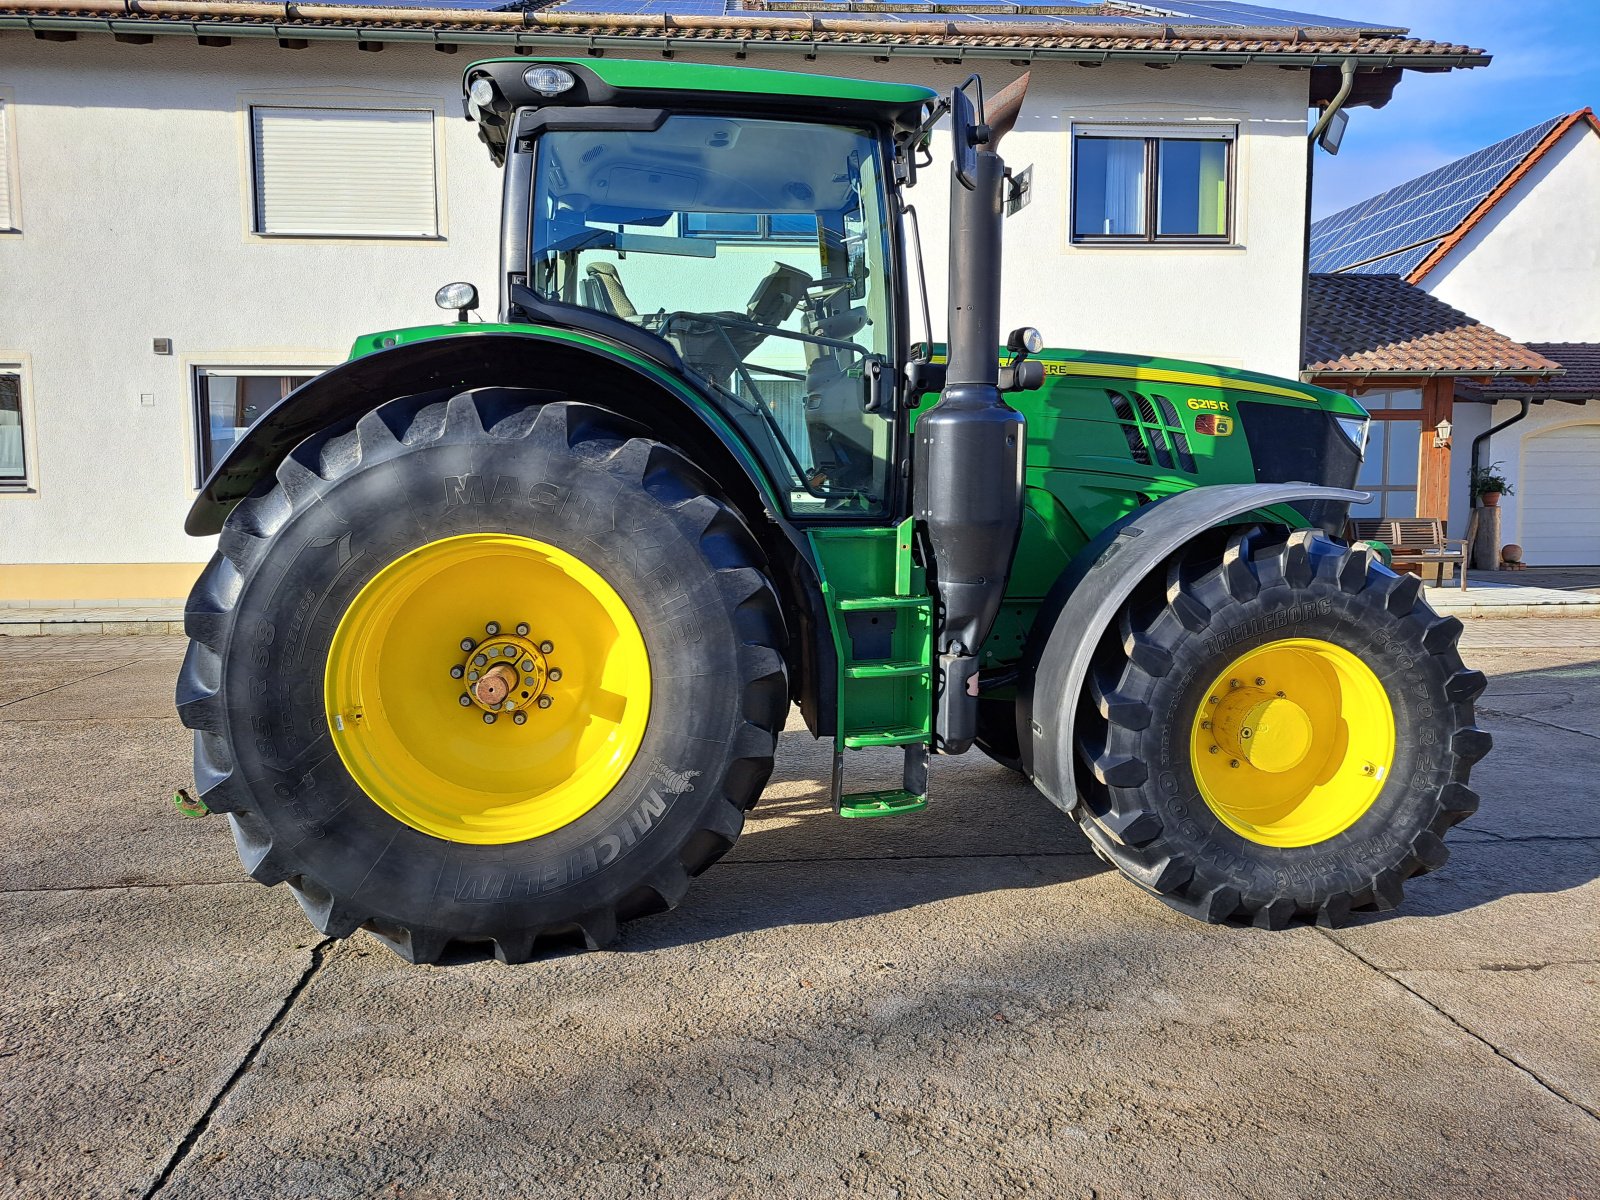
(1086, 598)
(588, 368)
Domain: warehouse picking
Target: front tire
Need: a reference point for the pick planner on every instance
(335, 634)
(1282, 731)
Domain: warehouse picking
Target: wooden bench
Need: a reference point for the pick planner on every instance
(1419, 542)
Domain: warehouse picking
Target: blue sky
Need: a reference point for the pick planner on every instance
(1544, 64)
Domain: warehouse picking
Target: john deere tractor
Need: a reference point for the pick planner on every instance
(506, 616)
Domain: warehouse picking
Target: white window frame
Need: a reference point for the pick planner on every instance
(28, 484)
(1227, 131)
(198, 417)
(339, 103)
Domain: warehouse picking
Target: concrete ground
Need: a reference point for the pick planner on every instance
(959, 1003)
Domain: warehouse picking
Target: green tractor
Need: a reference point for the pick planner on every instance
(506, 617)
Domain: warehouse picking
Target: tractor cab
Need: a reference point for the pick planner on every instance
(754, 246)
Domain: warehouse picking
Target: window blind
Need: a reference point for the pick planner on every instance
(345, 172)
(6, 221)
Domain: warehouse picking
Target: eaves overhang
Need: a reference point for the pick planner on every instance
(946, 37)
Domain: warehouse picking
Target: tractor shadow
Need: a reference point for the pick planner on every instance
(986, 830)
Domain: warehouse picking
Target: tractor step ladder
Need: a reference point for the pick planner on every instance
(882, 618)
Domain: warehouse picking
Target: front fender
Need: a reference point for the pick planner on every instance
(1087, 596)
(450, 363)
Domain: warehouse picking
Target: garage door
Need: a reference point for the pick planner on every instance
(1560, 497)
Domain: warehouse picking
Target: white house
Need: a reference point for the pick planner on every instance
(200, 208)
(1509, 235)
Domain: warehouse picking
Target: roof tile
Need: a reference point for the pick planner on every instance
(1382, 325)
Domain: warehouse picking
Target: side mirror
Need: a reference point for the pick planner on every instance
(462, 297)
(967, 134)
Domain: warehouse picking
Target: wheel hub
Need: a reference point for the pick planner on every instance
(1269, 731)
(507, 672)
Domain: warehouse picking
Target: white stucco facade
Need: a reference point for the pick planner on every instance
(1531, 267)
(132, 190)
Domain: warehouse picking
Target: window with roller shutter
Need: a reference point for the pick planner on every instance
(344, 172)
(8, 216)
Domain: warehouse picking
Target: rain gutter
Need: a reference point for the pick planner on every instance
(601, 31)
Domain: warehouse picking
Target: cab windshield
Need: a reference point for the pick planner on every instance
(759, 250)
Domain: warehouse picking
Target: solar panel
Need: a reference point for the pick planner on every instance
(1209, 12)
(476, 5)
(1226, 12)
(1392, 232)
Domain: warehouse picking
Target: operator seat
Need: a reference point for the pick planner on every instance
(603, 290)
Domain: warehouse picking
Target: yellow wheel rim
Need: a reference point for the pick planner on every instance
(487, 688)
(1293, 742)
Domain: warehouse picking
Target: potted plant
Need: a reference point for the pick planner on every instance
(1488, 485)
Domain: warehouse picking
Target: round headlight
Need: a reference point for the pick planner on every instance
(481, 92)
(456, 296)
(549, 81)
(1025, 340)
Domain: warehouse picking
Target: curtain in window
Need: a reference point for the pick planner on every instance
(1124, 205)
(1213, 188)
(1109, 187)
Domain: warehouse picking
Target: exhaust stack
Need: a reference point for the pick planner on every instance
(969, 446)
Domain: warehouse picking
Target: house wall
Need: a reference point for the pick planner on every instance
(134, 194)
(1508, 448)
(1531, 267)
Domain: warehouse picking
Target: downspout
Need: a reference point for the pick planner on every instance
(1477, 442)
(1347, 81)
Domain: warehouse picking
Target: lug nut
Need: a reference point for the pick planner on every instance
(507, 705)
(456, 672)
(1244, 733)
(488, 718)
(520, 718)
(1260, 682)
(467, 643)
(1233, 762)
(472, 676)
(1233, 683)
(522, 629)
(1214, 749)
(465, 701)
(555, 674)
(527, 664)
(492, 628)
(546, 647)
(544, 701)
(479, 660)
(527, 681)
(1282, 695)
(1205, 724)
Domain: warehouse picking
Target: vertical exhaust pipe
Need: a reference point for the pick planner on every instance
(969, 446)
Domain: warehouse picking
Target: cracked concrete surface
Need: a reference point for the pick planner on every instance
(963, 1002)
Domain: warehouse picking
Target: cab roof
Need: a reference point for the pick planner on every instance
(628, 83)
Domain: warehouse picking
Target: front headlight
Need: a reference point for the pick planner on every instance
(1355, 428)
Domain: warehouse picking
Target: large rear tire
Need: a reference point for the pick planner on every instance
(336, 633)
(1282, 731)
